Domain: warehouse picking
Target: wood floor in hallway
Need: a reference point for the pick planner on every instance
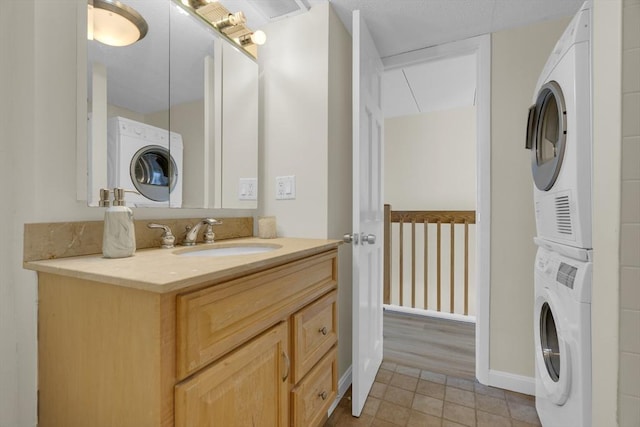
(429, 343)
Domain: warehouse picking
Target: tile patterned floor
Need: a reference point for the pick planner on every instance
(410, 397)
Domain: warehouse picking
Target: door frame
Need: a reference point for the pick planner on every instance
(481, 46)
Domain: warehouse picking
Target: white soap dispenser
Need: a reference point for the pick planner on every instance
(119, 238)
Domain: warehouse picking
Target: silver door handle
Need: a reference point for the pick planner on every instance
(368, 238)
(350, 238)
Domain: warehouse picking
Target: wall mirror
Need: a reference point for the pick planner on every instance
(173, 116)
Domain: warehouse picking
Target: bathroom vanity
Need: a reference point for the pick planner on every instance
(161, 339)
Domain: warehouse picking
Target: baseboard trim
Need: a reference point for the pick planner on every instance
(430, 313)
(513, 382)
(343, 385)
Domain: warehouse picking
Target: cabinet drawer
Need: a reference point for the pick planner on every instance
(314, 333)
(314, 395)
(212, 321)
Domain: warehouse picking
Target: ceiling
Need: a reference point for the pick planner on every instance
(400, 26)
(432, 86)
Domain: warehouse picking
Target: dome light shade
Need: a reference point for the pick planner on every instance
(114, 23)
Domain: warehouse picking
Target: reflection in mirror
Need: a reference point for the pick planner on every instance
(148, 113)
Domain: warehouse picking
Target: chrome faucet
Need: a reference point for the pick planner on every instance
(191, 235)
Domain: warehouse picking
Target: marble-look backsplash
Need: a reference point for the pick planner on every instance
(68, 239)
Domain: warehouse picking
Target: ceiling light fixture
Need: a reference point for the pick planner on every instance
(114, 23)
(257, 37)
(230, 20)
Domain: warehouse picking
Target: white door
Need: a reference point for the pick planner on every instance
(367, 230)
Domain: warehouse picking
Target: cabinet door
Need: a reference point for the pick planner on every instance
(248, 387)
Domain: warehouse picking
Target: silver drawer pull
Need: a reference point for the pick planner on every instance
(323, 395)
(323, 330)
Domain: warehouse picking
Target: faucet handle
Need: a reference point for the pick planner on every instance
(209, 235)
(211, 221)
(168, 239)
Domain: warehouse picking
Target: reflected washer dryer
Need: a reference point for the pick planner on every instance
(559, 136)
(562, 329)
(146, 159)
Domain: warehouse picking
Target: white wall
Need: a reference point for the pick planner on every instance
(518, 56)
(305, 88)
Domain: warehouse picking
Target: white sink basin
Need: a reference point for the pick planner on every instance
(219, 251)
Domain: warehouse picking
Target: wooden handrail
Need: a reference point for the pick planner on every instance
(426, 218)
(445, 217)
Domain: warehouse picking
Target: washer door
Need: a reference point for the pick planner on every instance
(154, 173)
(547, 135)
(553, 357)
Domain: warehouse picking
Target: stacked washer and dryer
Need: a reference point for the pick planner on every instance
(559, 136)
(146, 159)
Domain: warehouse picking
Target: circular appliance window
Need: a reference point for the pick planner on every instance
(549, 135)
(549, 343)
(154, 173)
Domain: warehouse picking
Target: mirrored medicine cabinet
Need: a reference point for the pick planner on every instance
(173, 116)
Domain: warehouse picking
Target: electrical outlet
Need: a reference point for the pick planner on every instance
(285, 187)
(248, 189)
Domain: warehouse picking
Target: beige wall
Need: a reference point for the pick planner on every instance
(606, 50)
(629, 377)
(295, 121)
(340, 173)
(306, 132)
(17, 383)
(430, 160)
(518, 56)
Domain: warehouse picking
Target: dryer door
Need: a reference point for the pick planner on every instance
(553, 357)
(154, 172)
(547, 135)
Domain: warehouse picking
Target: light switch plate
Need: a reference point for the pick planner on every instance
(248, 189)
(285, 187)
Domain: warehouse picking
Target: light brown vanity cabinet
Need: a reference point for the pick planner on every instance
(248, 349)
